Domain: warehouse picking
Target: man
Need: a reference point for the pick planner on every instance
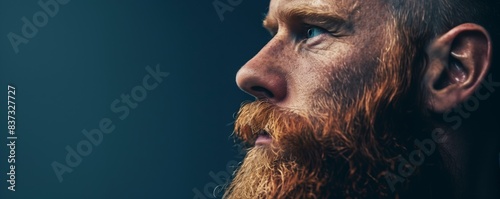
(371, 99)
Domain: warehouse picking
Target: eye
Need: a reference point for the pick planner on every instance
(314, 31)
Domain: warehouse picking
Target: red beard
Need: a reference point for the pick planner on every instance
(310, 156)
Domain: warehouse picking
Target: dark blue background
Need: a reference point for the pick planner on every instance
(89, 54)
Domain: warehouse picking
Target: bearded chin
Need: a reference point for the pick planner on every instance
(289, 167)
(264, 174)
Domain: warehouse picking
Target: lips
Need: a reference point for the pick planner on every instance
(263, 138)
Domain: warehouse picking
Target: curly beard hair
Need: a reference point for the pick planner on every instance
(344, 144)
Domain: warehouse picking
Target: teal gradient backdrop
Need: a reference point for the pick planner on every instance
(88, 55)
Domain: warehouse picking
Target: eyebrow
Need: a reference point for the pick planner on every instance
(305, 13)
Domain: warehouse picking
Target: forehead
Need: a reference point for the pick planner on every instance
(340, 6)
(349, 10)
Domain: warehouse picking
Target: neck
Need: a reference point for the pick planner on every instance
(470, 157)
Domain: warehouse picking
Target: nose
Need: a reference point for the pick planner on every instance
(262, 76)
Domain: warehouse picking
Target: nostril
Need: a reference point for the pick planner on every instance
(262, 90)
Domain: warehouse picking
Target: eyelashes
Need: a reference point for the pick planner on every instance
(314, 31)
(306, 31)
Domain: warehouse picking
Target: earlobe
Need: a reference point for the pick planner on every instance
(458, 62)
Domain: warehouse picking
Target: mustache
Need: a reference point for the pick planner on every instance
(313, 129)
(260, 117)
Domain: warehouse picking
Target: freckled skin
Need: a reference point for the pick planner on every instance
(293, 69)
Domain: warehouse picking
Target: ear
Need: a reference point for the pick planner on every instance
(458, 61)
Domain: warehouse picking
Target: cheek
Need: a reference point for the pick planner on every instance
(317, 68)
(313, 72)
(341, 73)
(342, 68)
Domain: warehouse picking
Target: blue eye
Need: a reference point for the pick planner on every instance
(315, 31)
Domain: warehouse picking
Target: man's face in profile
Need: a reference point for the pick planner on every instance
(311, 128)
(335, 91)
